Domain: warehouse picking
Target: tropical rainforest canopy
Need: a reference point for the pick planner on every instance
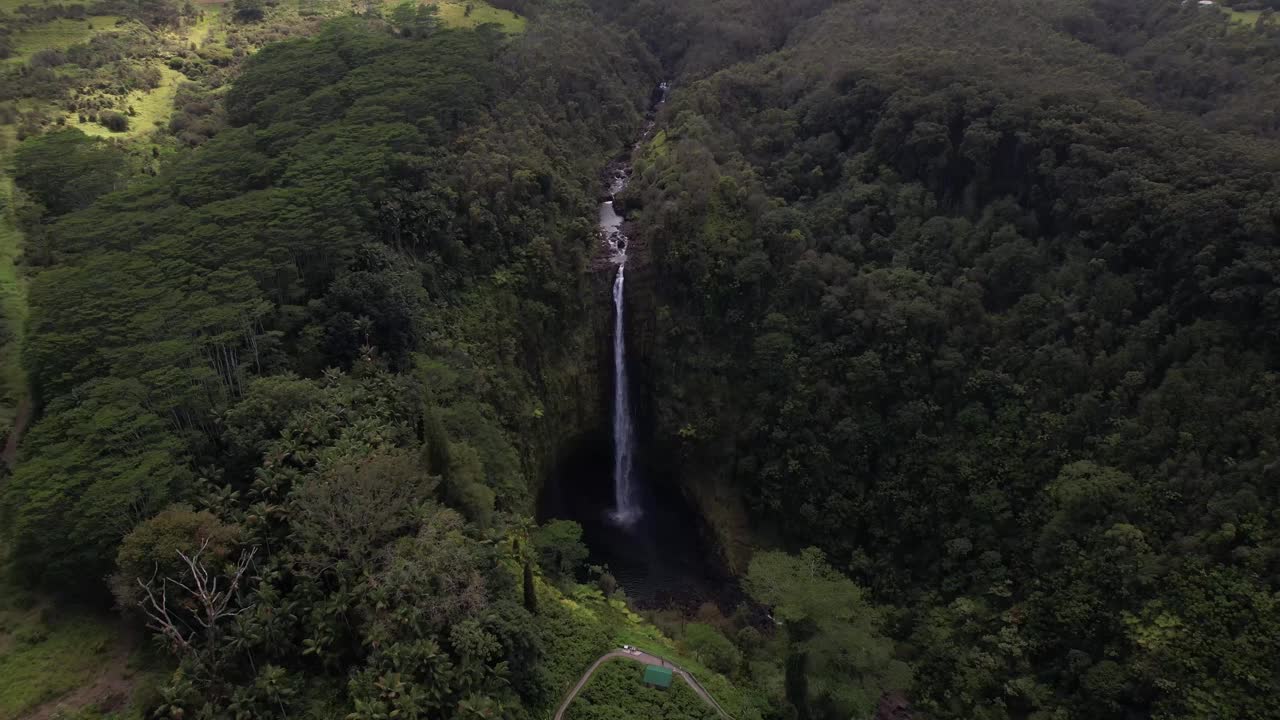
(958, 323)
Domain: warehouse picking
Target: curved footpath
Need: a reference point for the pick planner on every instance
(639, 656)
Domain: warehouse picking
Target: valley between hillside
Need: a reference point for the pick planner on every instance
(874, 359)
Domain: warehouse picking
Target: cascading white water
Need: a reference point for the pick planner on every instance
(626, 506)
(626, 509)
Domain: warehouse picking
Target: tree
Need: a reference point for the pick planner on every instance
(341, 519)
(709, 646)
(836, 638)
(428, 581)
(608, 584)
(560, 549)
(415, 20)
(249, 10)
(530, 589)
(113, 121)
(435, 443)
(195, 619)
(155, 549)
(466, 488)
(67, 170)
(100, 463)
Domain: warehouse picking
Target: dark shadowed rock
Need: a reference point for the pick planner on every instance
(893, 706)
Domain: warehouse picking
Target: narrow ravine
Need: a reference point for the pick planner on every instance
(635, 519)
(627, 507)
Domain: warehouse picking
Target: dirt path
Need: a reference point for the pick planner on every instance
(639, 656)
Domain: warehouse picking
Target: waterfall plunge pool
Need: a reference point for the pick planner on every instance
(661, 559)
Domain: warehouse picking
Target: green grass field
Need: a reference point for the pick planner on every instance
(1243, 17)
(48, 654)
(10, 6)
(13, 297)
(453, 13)
(152, 109)
(589, 609)
(45, 660)
(58, 34)
(204, 30)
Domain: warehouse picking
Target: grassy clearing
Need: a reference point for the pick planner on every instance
(1242, 17)
(203, 30)
(46, 660)
(11, 6)
(151, 108)
(58, 34)
(1246, 18)
(453, 13)
(648, 638)
(47, 654)
(13, 296)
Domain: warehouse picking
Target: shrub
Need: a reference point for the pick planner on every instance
(709, 646)
(560, 548)
(113, 121)
(31, 635)
(48, 58)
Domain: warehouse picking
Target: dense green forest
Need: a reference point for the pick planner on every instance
(958, 323)
(981, 299)
(331, 320)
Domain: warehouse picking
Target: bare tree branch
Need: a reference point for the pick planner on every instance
(208, 605)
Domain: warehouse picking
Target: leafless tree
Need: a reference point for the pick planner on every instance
(201, 607)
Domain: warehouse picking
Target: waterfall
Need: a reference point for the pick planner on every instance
(626, 509)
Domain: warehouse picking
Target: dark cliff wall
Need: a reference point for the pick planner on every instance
(669, 456)
(577, 382)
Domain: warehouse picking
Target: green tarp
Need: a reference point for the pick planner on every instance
(657, 676)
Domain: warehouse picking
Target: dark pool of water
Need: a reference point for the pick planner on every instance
(662, 560)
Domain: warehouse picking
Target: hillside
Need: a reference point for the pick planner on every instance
(969, 299)
(875, 359)
(167, 75)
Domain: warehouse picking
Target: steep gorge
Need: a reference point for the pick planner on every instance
(635, 509)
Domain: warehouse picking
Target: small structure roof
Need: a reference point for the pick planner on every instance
(657, 676)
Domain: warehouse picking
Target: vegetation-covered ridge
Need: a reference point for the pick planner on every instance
(150, 75)
(961, 320)
(981, 299)
(321, 358)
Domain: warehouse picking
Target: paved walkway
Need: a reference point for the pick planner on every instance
(639, 656)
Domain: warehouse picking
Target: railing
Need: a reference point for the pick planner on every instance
(706, 694)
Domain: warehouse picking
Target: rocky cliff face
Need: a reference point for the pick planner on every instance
(576, 383)
(702, 475)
